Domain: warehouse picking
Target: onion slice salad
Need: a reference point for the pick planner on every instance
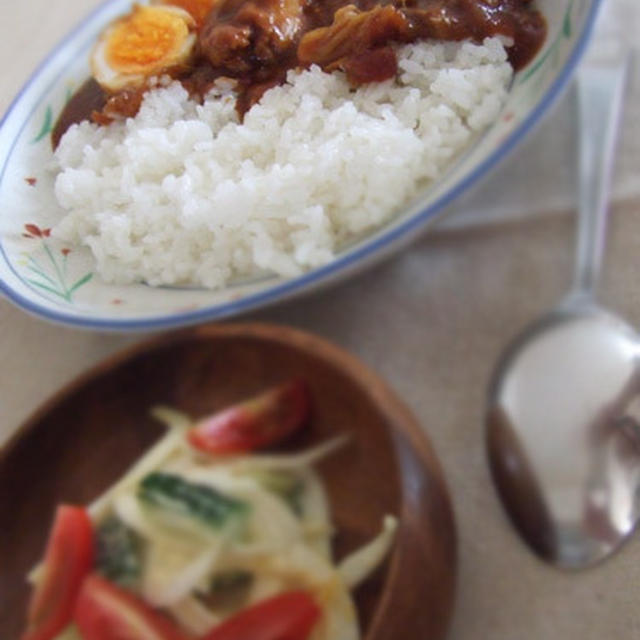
(206, 538)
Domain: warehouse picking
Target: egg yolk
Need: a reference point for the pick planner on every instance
(149, 35)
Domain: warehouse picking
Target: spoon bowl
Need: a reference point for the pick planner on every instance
(564, 440)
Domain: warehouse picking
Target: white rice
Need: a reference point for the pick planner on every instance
(183, 193)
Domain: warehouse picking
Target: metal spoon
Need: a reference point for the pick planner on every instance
(563, 420)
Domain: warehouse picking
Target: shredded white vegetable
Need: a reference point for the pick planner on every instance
(358, 566)
(172, 570)
(315, 513)
(283, 542)
(70, 633)
(171, 442)
(340, 620)
(294, 460)
(171, 418)
(265, 586)
(194, 616)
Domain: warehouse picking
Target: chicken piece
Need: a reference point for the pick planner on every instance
(375, 65)
(241, 36)
(352, 33)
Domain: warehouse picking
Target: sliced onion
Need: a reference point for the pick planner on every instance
(316, 520)
(361, 563)
(194, 616)
(150, 461)
(171, 418)
(294, 460)
(173, 570)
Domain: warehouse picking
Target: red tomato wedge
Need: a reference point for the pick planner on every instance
(67, 560)
(289, 616)
(106, 612)
(256, 423)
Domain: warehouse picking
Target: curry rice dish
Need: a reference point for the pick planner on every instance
(226, 139)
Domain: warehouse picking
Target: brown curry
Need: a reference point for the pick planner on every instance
(257, 41)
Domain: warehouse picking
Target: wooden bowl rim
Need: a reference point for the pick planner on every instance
(372, 385)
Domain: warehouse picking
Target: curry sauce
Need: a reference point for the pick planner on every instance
(255, 42)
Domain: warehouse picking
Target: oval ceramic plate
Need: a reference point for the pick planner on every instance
(57, 282)
(84, 438)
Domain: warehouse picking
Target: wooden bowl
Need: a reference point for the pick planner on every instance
(83, 438)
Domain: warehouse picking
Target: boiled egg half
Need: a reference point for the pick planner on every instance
(149, 41)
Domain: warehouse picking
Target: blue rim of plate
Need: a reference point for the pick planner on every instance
(321, 275)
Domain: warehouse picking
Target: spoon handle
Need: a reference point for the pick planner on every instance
(600, 99)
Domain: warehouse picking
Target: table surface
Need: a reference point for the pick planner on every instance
(432, 322)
